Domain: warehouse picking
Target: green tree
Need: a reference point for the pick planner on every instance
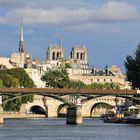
(16, 77)
(76, 84)
(67, 65)
(111, 86)
(56, 78)
(95, 86)
(8, 80)
(1, 84)
(103, 86)
(22, 76)
(132, 66)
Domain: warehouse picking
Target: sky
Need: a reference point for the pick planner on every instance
(110, 29)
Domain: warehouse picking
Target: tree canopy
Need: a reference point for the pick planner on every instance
(22, 76)
(1, 84)
(56, 78)
(16, 77)
(132, 66)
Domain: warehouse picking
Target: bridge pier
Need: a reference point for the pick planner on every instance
(74, 115)
(138, 108)
(1, 114)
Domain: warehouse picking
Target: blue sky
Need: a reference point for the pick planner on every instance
(110, 29)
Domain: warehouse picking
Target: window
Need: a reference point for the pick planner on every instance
(81, 56)
(57, 54)
(53, 56)
(77, 55)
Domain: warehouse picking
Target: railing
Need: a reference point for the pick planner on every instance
(69, 91)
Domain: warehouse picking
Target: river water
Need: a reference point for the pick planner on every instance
(57, 129)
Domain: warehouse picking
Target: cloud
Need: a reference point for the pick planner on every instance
(85, 18)
(2, 20)
(118, 11)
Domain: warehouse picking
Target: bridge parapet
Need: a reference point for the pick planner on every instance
(64, 91)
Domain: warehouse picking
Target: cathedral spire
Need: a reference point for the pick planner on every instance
(21, 42)
(61, 39)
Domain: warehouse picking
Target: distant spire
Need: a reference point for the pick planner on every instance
(61, 38)
(21, 32)
(21, 42)
(51, 40)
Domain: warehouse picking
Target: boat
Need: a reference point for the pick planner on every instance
(113, 120)
(121, 116)
(132, 119)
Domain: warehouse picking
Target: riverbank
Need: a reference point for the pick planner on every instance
(19, 115)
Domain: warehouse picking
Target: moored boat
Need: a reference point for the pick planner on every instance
(113, 120)
(134, 119)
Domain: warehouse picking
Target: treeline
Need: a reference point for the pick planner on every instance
(59, 79)
(11, 78)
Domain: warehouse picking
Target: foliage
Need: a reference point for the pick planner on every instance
(95, 86)
(56, 78)
(76, 84)
(102, 86)
(13, 105)
(16, 77)
(22, 76)
(111, 86)
(67, 65)
(8, 80)
(103, 105)
(59, 79)
(27, 98)
(1, 84)
(132, 66)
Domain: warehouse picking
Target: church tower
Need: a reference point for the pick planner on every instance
(79, 53)
(79, 60)
(55, 52)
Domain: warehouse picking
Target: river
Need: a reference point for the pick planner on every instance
(57, 129)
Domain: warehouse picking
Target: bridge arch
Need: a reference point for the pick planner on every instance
(99, 108)
(62, 110)
(89, 106)
(36, 109)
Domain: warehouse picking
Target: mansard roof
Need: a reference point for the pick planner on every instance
(102, 72)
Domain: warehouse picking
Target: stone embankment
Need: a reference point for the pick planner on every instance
(19, 115)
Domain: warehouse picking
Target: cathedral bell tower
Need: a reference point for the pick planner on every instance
(55, 52)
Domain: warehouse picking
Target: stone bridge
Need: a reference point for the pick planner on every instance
(55, 108)
(57, 102)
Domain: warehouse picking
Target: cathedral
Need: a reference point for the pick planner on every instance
(79, 68)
